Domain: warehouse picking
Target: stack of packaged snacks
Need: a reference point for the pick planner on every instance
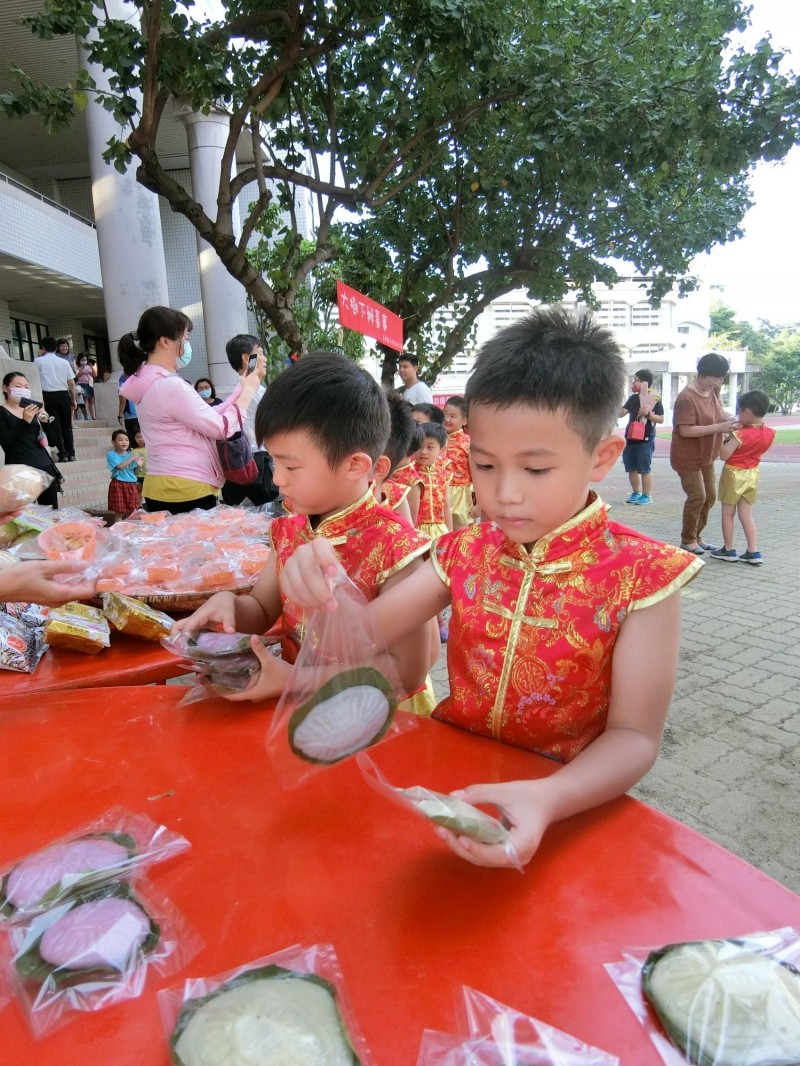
(78, 627)
(82, 926)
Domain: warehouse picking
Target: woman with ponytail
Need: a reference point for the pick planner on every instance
(181, 430)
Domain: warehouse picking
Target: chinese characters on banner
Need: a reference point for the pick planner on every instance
(363, 315)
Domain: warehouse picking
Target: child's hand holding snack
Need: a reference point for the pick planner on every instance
(219, 610)
(271, 679)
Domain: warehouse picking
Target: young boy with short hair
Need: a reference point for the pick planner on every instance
(427, 412)
(456, 453)
(738, 483)
(555, 608)
(325, 422)
(645, 411)
(434, 517)
(123, 489)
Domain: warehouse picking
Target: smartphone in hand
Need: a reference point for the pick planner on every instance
(28, 401)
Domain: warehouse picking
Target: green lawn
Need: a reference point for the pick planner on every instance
(783, 436)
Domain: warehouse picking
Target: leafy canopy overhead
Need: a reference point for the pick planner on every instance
(469, 147)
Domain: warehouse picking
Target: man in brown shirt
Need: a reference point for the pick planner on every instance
(698, 422)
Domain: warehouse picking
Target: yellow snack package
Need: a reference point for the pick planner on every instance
(135, 618)
(78, 627)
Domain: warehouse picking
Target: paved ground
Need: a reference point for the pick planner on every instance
(730, 761)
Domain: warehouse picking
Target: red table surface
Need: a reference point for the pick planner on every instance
(334, 862)
(129, 660)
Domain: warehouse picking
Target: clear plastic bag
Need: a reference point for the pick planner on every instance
(497, 1035)
(222, 663)
(21, 485)
(717, 1002)
(342, 695)
(112, 846)
(437, 807)
(294, 1001)
(94, 950)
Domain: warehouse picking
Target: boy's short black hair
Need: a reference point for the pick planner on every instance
(417, 437)
(434, 413)
(644, 375)
(756, 401)
(402, 429)
(712, 365)
(433, 429)
(458, 402)
(241, 344)
(554, 359)
(119, 433)
(339, 405)
(408, 358)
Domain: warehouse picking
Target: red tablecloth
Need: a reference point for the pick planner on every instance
(129, 661)
(334, 862)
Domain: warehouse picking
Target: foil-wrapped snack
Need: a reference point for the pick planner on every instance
(32, 614)
(79, 628)
(135, 618)
(21, 646)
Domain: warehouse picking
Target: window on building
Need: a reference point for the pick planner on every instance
(97, 347)
(648, 349)
(613, 313)
(683, 329)
(26, 338)
(503, 313)
(643, 316)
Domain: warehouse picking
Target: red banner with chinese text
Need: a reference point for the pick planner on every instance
(363, 315)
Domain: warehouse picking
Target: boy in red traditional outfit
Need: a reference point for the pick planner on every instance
(456, 453)
(738, 483)
(325, 422)
(434, 517)
(555, 608)
(405, 482)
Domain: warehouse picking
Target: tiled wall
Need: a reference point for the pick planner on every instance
(35, 232)
(76, 194)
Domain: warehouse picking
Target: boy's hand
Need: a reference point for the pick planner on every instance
(307, 577)
(219, 611)
(521, 809)
(269, 682)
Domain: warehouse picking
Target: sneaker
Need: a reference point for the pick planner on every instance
(643, 500)
(695, 551)
(728, 554)
(707, 547)
(634, 497)
(754, 558)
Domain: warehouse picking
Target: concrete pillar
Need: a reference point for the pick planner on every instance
(733, 389)
(127, 219)
(224, 298)
(666, 396)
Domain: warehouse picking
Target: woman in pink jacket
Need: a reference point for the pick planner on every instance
(181, 430)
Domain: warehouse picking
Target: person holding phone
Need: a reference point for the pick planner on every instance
(245, 354)
(21, 436)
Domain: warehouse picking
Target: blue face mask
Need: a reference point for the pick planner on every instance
(204, 393)
(186, 355)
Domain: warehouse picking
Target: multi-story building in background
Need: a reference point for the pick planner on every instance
(84, 249)
(668, 339)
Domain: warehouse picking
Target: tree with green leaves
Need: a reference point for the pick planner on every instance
(467, 147)
(780, 370)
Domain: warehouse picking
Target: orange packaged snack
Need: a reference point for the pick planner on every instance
(69, 540)
(161, 575)
(252, 560)
(216, 575)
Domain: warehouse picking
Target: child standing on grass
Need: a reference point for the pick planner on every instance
(738, 483)
(555, 608)
(456, 453)
(123, 489)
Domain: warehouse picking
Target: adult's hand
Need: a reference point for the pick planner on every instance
(38, 582)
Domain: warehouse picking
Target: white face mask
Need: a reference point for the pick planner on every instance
(18, 392)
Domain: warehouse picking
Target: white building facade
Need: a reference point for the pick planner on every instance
(668, 340)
